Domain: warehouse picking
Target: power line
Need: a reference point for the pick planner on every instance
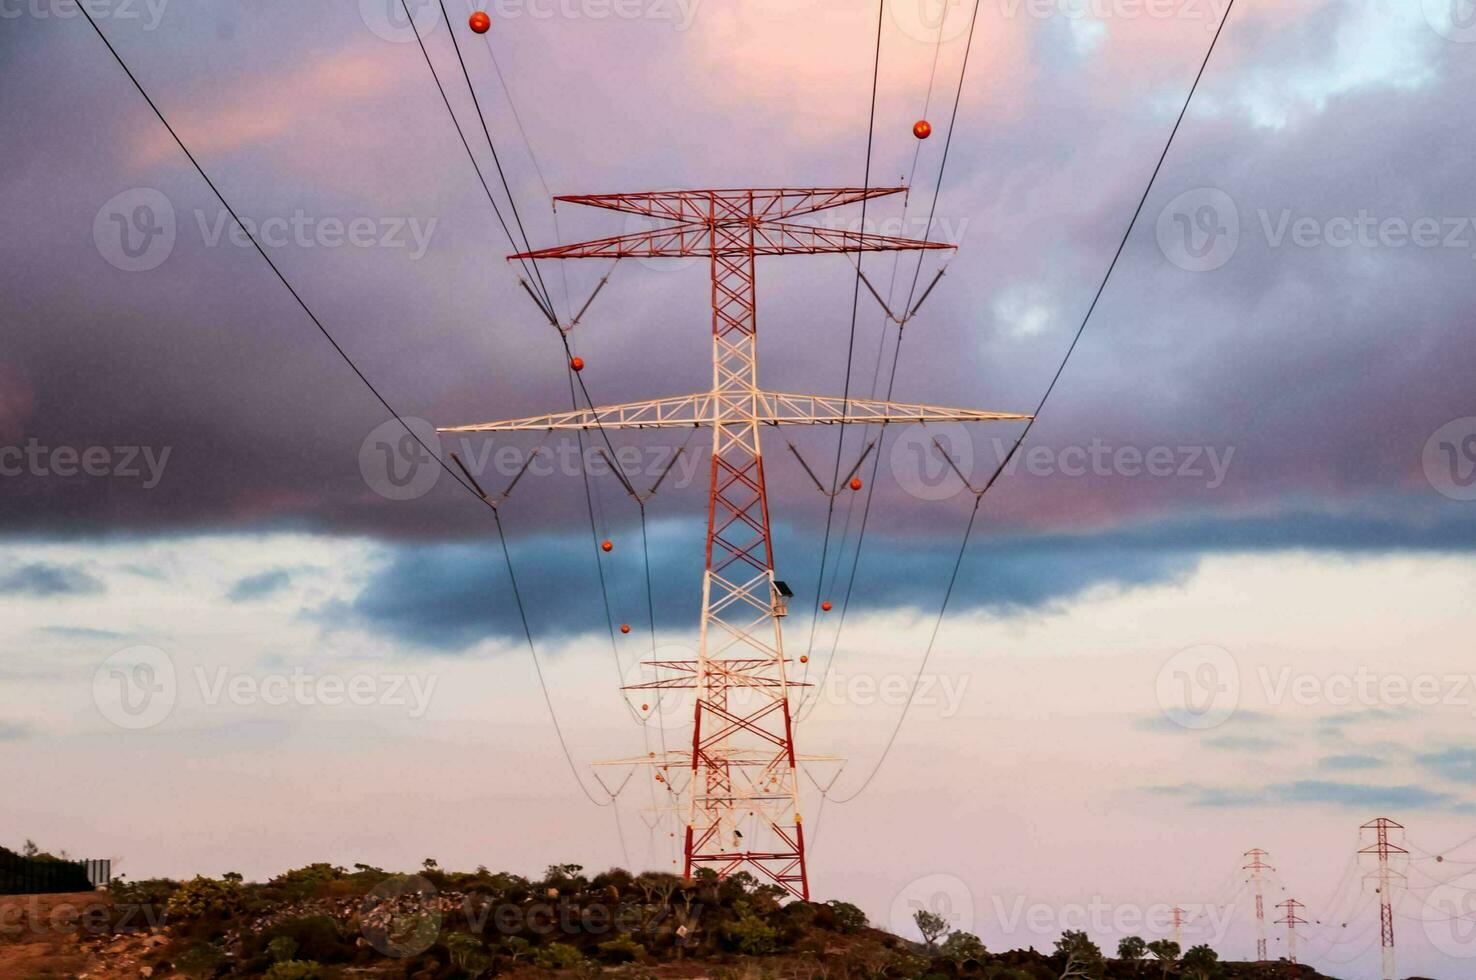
(901, 330)
(342, 353)
(1025, 431)
(542, 298)
(496, 159)
(545, 306)
(855, 309)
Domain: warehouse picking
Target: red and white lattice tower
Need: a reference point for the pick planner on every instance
(1178, 915)
(1291, 920)
(743, 809)
(1386, 879)
(1256, 865)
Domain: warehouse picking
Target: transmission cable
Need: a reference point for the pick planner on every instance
(1025, 430)
(347, 359)
(855, 310)
(901, 330)
(545, 305)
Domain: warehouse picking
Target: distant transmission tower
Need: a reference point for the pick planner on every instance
(1387, 878)
(1291, 920)
(744, 805)
(1256, 865)
(1178, 915)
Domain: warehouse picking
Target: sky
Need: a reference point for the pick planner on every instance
(1220, 601)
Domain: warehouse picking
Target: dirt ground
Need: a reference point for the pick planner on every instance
(72, 935)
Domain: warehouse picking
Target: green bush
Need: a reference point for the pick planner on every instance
(558, 956)
(199, 962)
(306, 882)
(621, 949)
(203, 897)
(468, 955)
(750, 935)
(282, 948)
(848, 918)
(314, 937)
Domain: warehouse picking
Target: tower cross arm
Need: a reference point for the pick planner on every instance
(768, 407)
(686, 239)
(761, 202)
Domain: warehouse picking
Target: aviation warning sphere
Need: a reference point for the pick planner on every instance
(577, 363)
(625, 627)
(856, 483)
(608, 545)
(825, 605)
(922, 129)
(480, 22)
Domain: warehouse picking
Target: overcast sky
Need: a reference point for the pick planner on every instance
(1253, 487)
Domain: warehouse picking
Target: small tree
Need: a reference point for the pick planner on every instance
(1132, 949)
(1202, 963)
(931, 925)
(1166, 952)
(960, 947)
(1081, 956)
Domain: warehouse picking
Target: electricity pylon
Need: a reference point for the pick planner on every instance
(1256, 863)
(1387, 878)
(742, 756)
(1291, 920)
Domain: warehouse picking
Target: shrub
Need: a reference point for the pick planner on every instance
(282, 948)
(294, 970)
(621, 949)
(848, 918)
(558, 956)
(307, 881)
(961, 947)
(313, 937)
(203, 897)
(468, 955)
(750, 935)
(199, 962)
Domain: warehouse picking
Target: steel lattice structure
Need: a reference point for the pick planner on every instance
(1387, 879)
(1257, 864)
(743, 809)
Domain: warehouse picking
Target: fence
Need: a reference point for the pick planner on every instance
(35, 876)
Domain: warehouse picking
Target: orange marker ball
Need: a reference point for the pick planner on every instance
(804, 658)
(577, 363)
(922, 129)
(608, 546)
(645, 707)
(625, 627)
(856, 483)
(480, 22)
(825, 605)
